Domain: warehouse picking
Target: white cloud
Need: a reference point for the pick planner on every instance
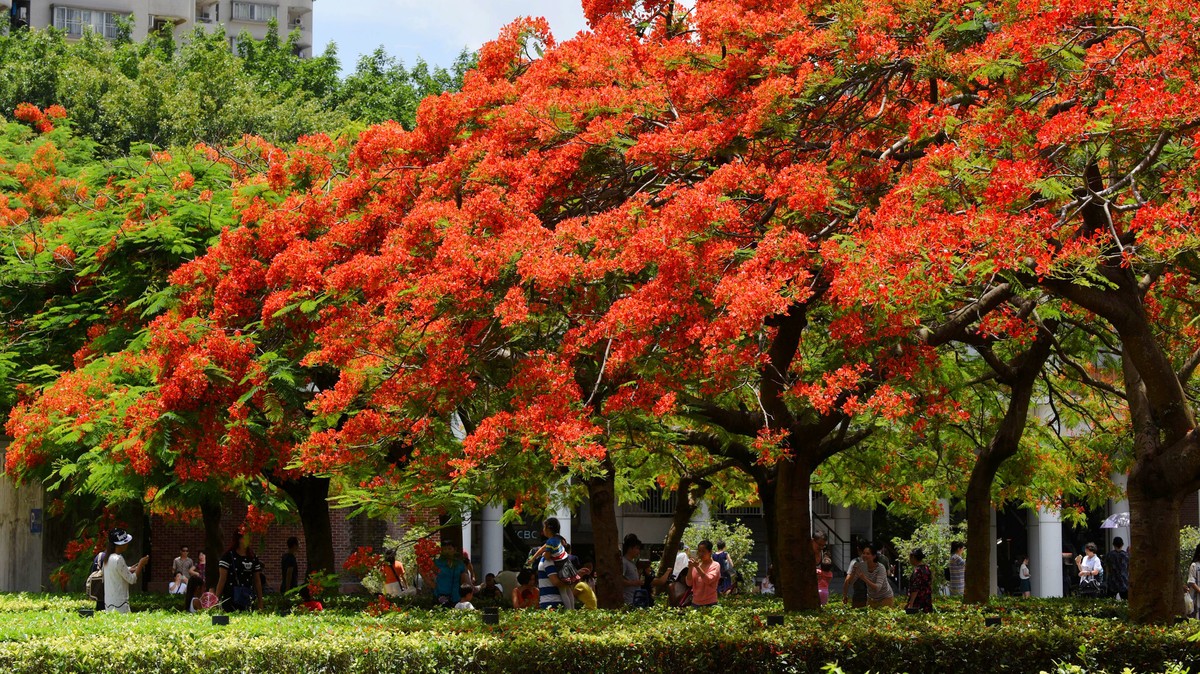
(434, 30)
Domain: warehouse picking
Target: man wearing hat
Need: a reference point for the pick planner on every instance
(118, 576)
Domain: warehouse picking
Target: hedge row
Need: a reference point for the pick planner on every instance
(730, 638)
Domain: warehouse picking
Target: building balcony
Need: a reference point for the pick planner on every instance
(299, 7)
(176, 11)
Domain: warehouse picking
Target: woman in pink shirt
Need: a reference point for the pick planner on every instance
(704, 576)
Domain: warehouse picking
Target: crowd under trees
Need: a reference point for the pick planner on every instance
(897, 250)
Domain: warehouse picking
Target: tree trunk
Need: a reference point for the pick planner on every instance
(1021, 376)
(979, 532)
(766, 494)
(795, 569)
(311, 496)
(214, 540)
(602, 492)
(1164, 472)
(1155, 588)
(689, 495)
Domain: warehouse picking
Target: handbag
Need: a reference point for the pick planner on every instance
(94, 585)
(1089, 586)
(567, 571)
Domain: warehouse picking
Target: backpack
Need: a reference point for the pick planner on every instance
(642, 598)
(94, 585)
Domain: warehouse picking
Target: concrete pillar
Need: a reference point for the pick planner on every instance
(492, 554)
(1120, 506)
(702, 515)
(21, 521)
(839, 542)
(468, 544)
(994, 562)
(563, 513)
(1045, 554)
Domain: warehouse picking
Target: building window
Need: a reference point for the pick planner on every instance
(254, 11)
(74, 22)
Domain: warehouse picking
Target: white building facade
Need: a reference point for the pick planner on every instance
(74, 17)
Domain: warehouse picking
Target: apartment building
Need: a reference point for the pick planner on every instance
(77, 16)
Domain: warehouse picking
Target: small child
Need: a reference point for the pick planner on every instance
(466, 593)
(554, 550)
(824, 576)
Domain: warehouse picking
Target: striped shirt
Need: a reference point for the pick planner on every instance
(958, 575)
(548, 594)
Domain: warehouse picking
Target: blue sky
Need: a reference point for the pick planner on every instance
(433, 29)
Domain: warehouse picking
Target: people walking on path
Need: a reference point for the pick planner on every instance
(920, 584)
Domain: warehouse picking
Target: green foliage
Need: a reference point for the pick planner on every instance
(117, 264)
(739, 543)
(43, 634)
(1189, 541)
(934, 540)
(121, 93)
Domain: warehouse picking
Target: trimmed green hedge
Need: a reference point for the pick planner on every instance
(46, 635)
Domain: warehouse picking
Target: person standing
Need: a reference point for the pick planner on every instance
(289, 568)
(824, 577)
(958, 569)
(119, 576)
(874, 574)
(182, 569)
(1193, 583)
(552, 591)
(631, 578)
(451, 575)
(854, 590)
(1116, 570)
(394, 582)
(721, 557)
(704, 575)
(240, 578)
(1026, 586)
(920, 584)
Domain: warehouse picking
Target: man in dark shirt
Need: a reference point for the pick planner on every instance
(289, 568)
(1116, 570)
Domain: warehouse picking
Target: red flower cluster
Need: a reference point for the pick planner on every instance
(40, 120)
(363, 561)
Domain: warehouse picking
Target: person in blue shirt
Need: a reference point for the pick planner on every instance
(451, 575)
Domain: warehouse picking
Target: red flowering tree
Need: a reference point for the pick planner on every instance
(1057, 150)
(85, 255)
(621, 233)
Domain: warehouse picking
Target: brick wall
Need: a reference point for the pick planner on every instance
(1190, 517)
